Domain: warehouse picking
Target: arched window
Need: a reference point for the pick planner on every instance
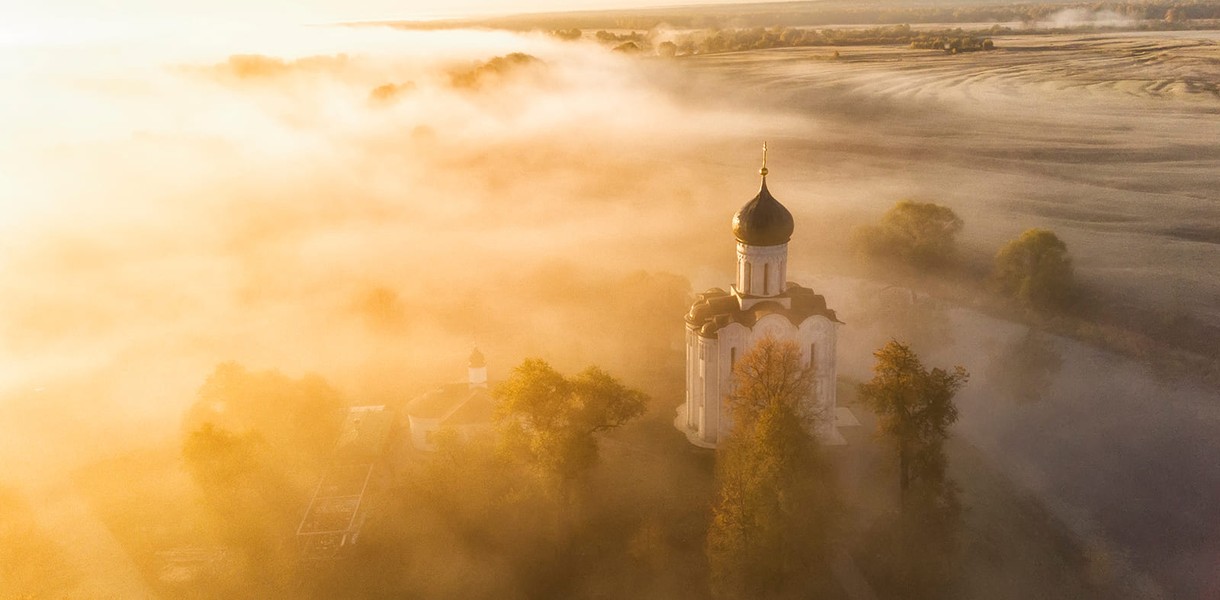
(766, 279)
(745, 284)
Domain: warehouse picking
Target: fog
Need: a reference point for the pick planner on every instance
(1119, 452)
(186, 198)
(166, 212)
(1079, 17)
(367, 204)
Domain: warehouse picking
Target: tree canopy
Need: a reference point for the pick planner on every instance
(552, 419)
(252, 444)
(1035, 269)
(915, 548)
(922, 234)
(770, 524)
(298, 418)
(914, 408)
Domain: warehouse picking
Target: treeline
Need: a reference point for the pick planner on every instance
(761, 38)
(787, 37)
(953, 45)
(814, 14)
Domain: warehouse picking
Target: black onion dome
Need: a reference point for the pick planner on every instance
(763, 221)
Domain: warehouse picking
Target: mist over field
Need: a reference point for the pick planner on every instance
(169, 212)
(368, 204)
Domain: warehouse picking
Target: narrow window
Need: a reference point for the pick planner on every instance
(766, 279)
(813, 356)
(745, 281)
(732, 358)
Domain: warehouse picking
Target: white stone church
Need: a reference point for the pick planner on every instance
(722, 326)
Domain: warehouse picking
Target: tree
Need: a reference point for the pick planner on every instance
(915, 409)
(1035, 269)
(252, 443)
(251, 503)
(568, 35)
(922, 234)
(912, 553)
(553, 419)
(771, 520)
(767, 376)
(299, 418)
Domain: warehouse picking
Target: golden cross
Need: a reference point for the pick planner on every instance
(763, 170)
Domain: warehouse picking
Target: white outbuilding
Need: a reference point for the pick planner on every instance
(723, 325)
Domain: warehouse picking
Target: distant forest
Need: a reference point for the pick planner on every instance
(951, 41)
(1159, 14)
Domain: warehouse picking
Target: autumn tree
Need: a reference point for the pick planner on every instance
(912, 552)
(772, 516)
(922, 234)
(553, 419)
(1035, 269)
(914, 408)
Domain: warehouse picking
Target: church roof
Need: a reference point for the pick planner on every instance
(716, 308)
(763, 221)
(439, 402)
(478, 409)
(454, 404)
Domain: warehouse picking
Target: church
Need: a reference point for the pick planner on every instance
(465, 407)
(722, 326)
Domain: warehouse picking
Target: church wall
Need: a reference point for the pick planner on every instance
(817, 331)
(470, 431)
(709, 410)
(822, 333)
(693, 391)
(422, 430)
(730, 338)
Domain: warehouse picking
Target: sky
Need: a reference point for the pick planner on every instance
(67, 20)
